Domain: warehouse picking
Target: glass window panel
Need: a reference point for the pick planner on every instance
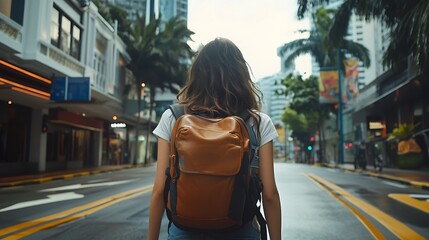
(55, 27)
(65, 34)
(76, 42)
(17, 11)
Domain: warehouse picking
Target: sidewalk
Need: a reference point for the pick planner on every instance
(417, 178)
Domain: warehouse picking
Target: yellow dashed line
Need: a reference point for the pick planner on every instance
(407, 199)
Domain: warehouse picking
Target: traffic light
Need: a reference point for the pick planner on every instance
(311, 143)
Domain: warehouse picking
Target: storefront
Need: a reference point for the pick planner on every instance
(396, 98)
(117, 144)
(15, 123)
(73, 140)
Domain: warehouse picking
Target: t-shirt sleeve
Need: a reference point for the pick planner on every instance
(267, 130)
(165, 125)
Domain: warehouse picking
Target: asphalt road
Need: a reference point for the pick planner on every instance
(317, 203)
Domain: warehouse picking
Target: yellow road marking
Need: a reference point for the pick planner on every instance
(420, 184)
(67, 176)
(83, 210)
(407, 199)
(45, 179)
(371, 228)
(401, 230)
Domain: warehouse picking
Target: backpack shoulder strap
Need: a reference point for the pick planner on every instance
(178, 110)
(254, 166)
(254, 163)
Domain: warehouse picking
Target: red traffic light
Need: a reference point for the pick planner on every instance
(312, 138)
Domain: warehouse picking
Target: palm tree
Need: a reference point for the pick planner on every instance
(320, 47)
(407, 20)
(140, 44)
(171, 44)
(158, 59)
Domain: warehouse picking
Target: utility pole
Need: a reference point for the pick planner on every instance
(340, 110)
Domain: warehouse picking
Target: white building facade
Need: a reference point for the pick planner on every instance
(40, 42)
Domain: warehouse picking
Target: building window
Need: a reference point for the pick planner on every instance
(13, 9)
(75, 51)
(65, 33)
(55, 34)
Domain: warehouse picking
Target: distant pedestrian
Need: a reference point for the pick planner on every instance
(378, 159)
(360, 156)
(219, 85)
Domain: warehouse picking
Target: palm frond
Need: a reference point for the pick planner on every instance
(305, 5)
(359, 51)
(340, 22)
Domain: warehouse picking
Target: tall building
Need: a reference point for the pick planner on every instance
(165, 9)
(171, 8)
(274, 103)
(132, 7)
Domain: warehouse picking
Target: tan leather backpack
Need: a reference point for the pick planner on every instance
(210, 185)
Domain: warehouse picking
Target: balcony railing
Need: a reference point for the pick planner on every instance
(10, 28)
(61, 58)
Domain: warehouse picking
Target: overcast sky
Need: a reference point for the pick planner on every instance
(257, 27)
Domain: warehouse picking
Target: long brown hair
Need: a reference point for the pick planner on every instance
(219, 83)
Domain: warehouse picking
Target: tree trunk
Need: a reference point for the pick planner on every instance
(149, 125)
(136, 150)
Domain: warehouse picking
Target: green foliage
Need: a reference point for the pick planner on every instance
(305, 5)
(294, 120)
(403, 131)
(104, 12)
(119, 14)
(297, 123)
(304, 114)
(304, 92)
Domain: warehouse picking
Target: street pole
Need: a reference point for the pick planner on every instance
(340, 110)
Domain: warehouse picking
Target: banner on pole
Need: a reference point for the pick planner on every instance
(351, 79)
(328, 86)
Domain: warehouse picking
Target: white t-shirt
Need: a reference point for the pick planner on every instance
(166, 123)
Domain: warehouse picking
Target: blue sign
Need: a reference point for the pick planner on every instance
(71, 89)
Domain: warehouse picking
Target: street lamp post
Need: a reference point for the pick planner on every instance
(340, 110)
